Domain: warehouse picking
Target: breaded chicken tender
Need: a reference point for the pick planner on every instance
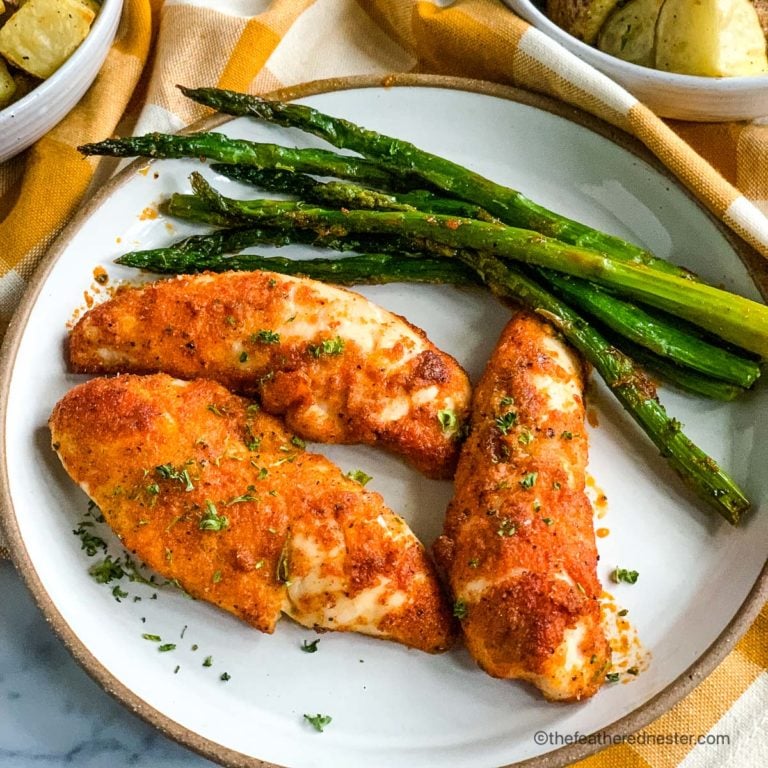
(207, 489)
(519, 543)
(338, 368)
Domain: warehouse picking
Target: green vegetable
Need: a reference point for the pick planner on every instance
(107, 570)
(211, 519)
(505, 422)
(731, 317)
(318, 722)
(460, 609)
(660, 335)
(310, 647)
(328, 347)
(359, 476)
(88, 540)
(168, 472)
(623, 575)
(449, 422)
(507, 204)
(265, 336)
(216, 146)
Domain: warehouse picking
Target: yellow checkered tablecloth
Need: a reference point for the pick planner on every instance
(258, 46)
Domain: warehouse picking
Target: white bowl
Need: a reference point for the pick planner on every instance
(686, 97)
(26, 120)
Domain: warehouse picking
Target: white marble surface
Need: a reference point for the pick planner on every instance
(52, 713)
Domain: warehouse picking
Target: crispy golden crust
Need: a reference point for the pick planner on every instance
(166, 460)
(338, 368)
(519, 545)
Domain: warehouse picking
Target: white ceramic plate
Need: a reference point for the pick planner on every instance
(392, 706)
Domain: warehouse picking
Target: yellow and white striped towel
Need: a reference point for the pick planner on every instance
(259, 45)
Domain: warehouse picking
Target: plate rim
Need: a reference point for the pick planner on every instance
(663, 701)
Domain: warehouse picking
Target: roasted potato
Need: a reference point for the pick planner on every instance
(716, 38)
(7, 85)
(42, 34)
(630, 32)
(581, 18)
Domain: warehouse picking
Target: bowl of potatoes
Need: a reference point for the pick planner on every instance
(702, 60)
(50, 53)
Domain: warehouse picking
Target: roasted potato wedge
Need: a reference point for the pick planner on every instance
(42, 34)
(715, 38)
(630, 32)
(581, 18)
(7, 85)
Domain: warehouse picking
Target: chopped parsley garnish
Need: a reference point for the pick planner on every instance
(327, 347)
(359, 476)
(536, 505)
(88, 541)
(118, 593)
(623, 612)
(567, 435)
(216, 577)
(448, 420)
(298, 442)
(507, 527)
(107, 570)
(633, 671)
(252, 442)
(318, 721)
(168, 472)
(152, 638)
(310, 647)
(211, 519)
(505, 422)
(529, 480)
(229, 319)
(225, 676)
(612, 677)
(153, 489)
(547, 521)
(460, 609)
(282, 573)
(525, 437)
(244, 498)
(167, 647)
(243, 357)
(625, 575)
(213, 408)
(474, 562)
(208, 661)
(506, 400)
(265, 336)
